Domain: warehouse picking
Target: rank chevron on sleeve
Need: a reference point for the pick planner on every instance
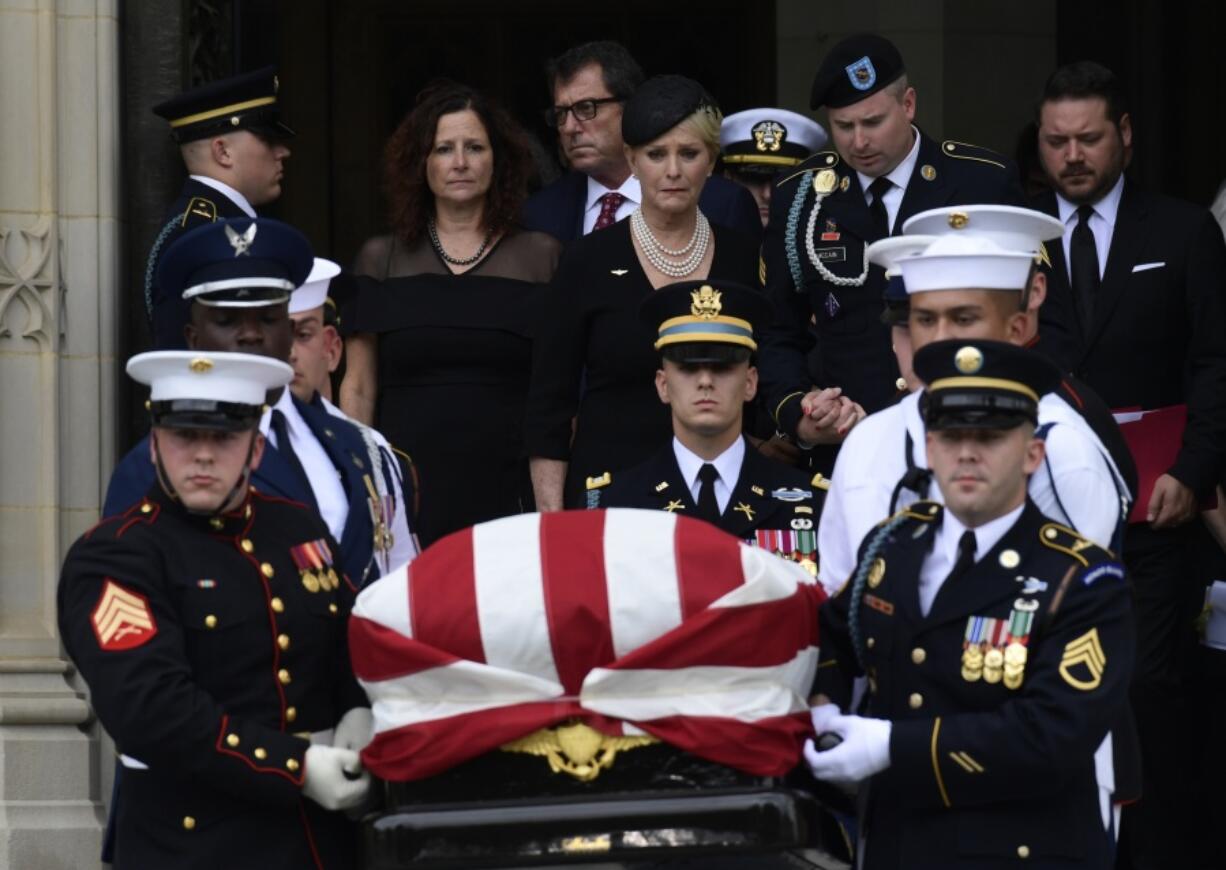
(1086, 651)
(122, 619)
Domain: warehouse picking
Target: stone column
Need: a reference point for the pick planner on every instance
(58, 280)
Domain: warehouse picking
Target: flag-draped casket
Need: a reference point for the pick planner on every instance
(622, 627)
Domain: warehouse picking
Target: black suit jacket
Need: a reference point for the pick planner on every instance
(557, 208)
(767, 495)
(198, 204)
(853, 346)
(1159, 331)
(980, 768)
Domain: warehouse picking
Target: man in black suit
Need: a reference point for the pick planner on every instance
(709, 471)
(1136, 307)
(588, 84)
(232, 140)
(826, 211)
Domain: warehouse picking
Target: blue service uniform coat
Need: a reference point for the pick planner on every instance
(342, 442)
(207, 652)
(767, 495)
(557, 208)
(981, 774)
(852, 344)
(198, 204)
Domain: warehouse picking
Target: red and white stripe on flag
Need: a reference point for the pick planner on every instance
(632, 621)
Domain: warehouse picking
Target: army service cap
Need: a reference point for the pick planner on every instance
(206, 390)
(980, 384)
(242, 102)
(767, 140)
(237, 263)
(705, 321)
(857, 67)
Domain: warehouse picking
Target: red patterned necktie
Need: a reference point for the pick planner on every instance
(609, 204)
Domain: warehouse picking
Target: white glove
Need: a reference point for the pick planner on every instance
(865, 750)
(355, 730)
(327, 778)
(822, 715)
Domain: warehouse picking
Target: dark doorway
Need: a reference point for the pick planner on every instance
(350, 72)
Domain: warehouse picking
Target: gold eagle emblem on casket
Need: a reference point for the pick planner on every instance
(576, 748)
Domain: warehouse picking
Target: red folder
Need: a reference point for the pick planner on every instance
(1154, 439)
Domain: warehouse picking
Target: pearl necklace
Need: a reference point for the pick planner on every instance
(665, 260)
(456, 261)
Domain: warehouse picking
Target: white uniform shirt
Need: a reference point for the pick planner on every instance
(727, 464)
(630, 189)
(944, 553)
(324, 478)
(404, 544)
(1078, 484)
(1102, 226)
(230, 193)
(900, 175)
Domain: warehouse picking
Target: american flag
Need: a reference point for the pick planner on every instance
(630, 621)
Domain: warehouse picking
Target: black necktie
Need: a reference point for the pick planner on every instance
(708, 506)
(966, 557)
(286, 448)
(1083, 267)
(881, 218)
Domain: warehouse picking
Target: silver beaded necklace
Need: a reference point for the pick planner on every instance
(675, 263)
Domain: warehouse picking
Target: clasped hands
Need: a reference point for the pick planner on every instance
(863, 752)
(828, 417)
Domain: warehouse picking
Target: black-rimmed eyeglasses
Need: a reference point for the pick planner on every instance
(583, 110)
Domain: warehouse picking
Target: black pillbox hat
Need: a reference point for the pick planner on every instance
(661, 103)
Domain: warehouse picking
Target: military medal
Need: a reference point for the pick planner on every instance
(1021, 620)
(993, 665)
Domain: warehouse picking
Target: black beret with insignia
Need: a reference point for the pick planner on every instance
(858, 67)
(661, 103)
(242, 102)
(979, 384)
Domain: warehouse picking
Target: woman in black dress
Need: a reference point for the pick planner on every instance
(594, 360)
(440, 348)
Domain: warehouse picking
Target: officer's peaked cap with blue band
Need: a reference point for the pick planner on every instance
(979, 384)
(857, 67)
(205, 390)
(705, 321)
(242, 102)
(237, 263)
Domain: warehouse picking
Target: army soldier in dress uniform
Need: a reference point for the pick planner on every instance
(826, 211)
(757, 144)
(233, 144)
(209, 621)
(238, 275)
(997, 645)
(709, 471)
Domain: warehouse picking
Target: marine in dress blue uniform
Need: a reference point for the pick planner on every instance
(243, 102)
(709, 324)
(986, 697)
(814, 266)
(250, 264)
(214, 644)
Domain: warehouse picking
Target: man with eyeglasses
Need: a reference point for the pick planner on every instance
(588, 85)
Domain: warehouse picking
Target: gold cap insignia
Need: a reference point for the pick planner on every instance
(706, 302)
(958, 220)
(200, 365)
(968, 360)
(825, 181)
(768, 135)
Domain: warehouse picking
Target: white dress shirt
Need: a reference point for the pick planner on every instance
(1077, 485)
(727, 465)
(630, 189)
(944, 554)
(1102, 225)
(324, 478)
(404, 544)
(900, 175)
(233, 195)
